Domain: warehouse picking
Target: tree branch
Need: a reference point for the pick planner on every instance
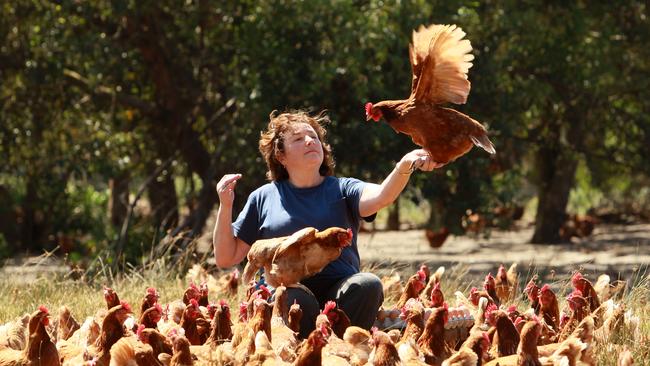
(106, 92)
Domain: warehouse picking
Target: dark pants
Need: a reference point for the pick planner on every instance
(359, 295)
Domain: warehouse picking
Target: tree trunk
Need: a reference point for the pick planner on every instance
(437, 214)
(119, 200)
(164, 202)
(393, 216)
(556, 177)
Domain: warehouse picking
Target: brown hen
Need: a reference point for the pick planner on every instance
(440, 59)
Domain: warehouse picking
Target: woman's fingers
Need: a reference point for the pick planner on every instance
(424, 161)
(228, 182)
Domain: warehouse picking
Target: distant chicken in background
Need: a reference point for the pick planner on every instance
(473, 222)
(440, 59)
(436, 238)
(579, 226)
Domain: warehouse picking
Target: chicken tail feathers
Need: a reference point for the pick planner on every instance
(483, 142)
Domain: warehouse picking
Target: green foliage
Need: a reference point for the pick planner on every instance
(97, 90)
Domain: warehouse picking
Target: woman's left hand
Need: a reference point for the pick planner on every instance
(417, 159)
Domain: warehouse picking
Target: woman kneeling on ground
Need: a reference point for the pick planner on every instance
(304, 192)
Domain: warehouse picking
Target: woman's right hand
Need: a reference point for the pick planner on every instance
(226, 189)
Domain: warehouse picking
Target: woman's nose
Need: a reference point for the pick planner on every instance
(309, 140)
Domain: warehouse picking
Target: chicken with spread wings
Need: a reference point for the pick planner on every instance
(440, 59)
(289, 259)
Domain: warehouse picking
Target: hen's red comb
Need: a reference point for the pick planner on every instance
(518, 320)
(330, 305)
(575, 293)
(265, 290)
(152, 291)
(531, 284)
(139, 332)
(194, 303)
(223, 302)
(368, 108)
(43, 309)
(545, 288)
(421, 275)
(576, 277)
(125, 306)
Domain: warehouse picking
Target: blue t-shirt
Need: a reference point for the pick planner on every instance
(280, 209)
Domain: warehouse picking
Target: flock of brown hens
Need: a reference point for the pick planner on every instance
(480, 330)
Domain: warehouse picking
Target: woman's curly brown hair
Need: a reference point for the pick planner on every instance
(272, 141)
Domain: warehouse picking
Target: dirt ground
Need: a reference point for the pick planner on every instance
(622, 251)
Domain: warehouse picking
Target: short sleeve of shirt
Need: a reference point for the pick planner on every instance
(352, 189)
(247, 225)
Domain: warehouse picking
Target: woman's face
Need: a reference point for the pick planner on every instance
(302, 148)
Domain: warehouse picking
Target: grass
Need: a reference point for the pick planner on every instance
(84, 297)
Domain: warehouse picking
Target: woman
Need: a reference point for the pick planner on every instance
(303, 192)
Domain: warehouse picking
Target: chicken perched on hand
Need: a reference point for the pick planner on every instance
(289, 259)
(440, 59)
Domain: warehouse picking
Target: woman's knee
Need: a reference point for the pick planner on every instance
(371, 284)
(308, 303)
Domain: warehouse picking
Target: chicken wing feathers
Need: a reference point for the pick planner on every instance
(440, 59)
(305, 235)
